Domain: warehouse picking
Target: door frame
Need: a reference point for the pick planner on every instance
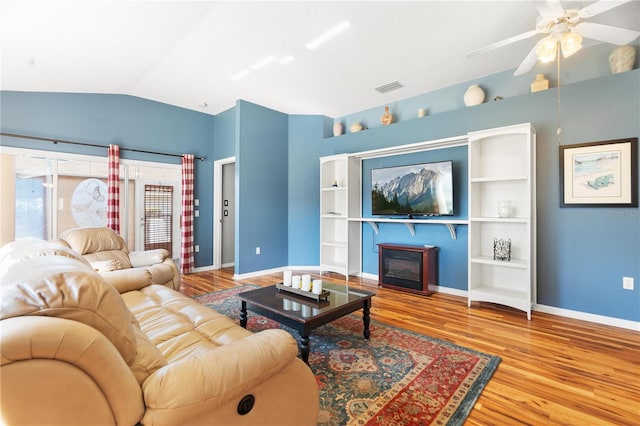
(217, 209)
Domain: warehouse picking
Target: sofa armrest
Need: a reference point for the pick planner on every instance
(125, 280)
(60, 371)
(215, 377)
(147, 257)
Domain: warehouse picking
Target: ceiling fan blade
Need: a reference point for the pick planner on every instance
(550, 9)
(530, 60)
(600, 7)
(606, 33)
(503, 43)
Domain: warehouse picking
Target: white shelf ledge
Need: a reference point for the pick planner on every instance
(513, 263)
(409, 223)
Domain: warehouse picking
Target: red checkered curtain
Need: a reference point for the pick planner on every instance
(186, 220)
(113, 189)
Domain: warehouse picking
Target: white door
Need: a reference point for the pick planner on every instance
(158, 216)
(224, 226)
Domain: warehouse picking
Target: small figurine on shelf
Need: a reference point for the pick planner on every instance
(337, 128)
(540, 83)
(387, 118)
(502, 249)
(334, 184)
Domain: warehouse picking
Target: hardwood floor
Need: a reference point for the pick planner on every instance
(554, 370)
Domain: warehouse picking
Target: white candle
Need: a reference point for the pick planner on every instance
(317, 286)
(306, 282)
(295, 281)
(287, 278)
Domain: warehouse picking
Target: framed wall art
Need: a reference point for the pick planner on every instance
(599, 174)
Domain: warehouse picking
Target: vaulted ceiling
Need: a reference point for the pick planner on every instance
(204, 55)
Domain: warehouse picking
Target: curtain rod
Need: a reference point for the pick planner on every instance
(57, 141)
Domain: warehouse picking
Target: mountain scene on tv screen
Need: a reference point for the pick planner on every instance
(418, 193)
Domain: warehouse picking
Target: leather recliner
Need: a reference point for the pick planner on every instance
(108, 254)
(76, 351)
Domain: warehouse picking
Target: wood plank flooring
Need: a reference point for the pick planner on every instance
(554, 370)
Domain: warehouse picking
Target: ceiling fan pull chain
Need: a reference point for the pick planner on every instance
(559, 129)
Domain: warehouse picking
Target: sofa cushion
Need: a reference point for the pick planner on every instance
(107, 265)
(147, 257)
(179, 327)
(120, 257)
(27, 248)
(148, 358)
(64, 287)
(93, 239)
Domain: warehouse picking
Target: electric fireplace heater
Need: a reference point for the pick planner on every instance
(407, 268)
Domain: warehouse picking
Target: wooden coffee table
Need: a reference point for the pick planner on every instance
(304, 314)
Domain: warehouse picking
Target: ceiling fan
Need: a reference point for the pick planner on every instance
(565, 30)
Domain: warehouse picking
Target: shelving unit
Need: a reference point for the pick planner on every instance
(340, 239)
(502, 168)
(409, 223)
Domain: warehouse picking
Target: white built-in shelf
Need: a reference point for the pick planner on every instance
(334, 243)
(333, 216)
(489, 293)
(409, 223)
(499, 219)
(487, 260)
(498, 179)
(502, 168)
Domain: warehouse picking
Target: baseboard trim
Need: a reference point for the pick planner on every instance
(203, 269)
(584, 316)
(254, 274)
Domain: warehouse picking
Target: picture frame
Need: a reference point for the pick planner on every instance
(599, 174)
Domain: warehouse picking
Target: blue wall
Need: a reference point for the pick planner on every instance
(261, 189)
(583, 253)
(124, 120)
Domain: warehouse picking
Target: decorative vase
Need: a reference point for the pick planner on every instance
(474, 95)
(540, 83)
(622, 59)
(337, 128)
(356, 127)
(387, 118)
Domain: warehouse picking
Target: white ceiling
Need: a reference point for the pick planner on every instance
(184, 53)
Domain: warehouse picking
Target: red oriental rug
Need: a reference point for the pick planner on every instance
(397, 377)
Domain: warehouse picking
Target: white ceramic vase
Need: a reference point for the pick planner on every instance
(474, 95)
(337, 128)
(622, 59)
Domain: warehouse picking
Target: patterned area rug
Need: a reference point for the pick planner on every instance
(396, 378)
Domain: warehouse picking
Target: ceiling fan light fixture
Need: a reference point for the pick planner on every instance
(546, 50)
(570, 43)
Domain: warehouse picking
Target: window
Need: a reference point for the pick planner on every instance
(57, 192)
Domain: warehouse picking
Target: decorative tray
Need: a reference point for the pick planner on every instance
(322, 296)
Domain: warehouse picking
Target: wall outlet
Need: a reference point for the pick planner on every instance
(627, 283)
(197, 248)
(196, 213)
(257, 250)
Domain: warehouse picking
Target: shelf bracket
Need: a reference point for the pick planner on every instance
(452, 230)
(374, 226)
(411, 228)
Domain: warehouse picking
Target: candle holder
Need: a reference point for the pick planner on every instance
(502, 249)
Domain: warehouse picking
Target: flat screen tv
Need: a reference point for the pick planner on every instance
(424, 189)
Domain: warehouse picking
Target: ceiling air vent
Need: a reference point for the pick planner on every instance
(394, 85)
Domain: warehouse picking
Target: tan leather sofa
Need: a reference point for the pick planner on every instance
(108, 254)
(74, 351)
